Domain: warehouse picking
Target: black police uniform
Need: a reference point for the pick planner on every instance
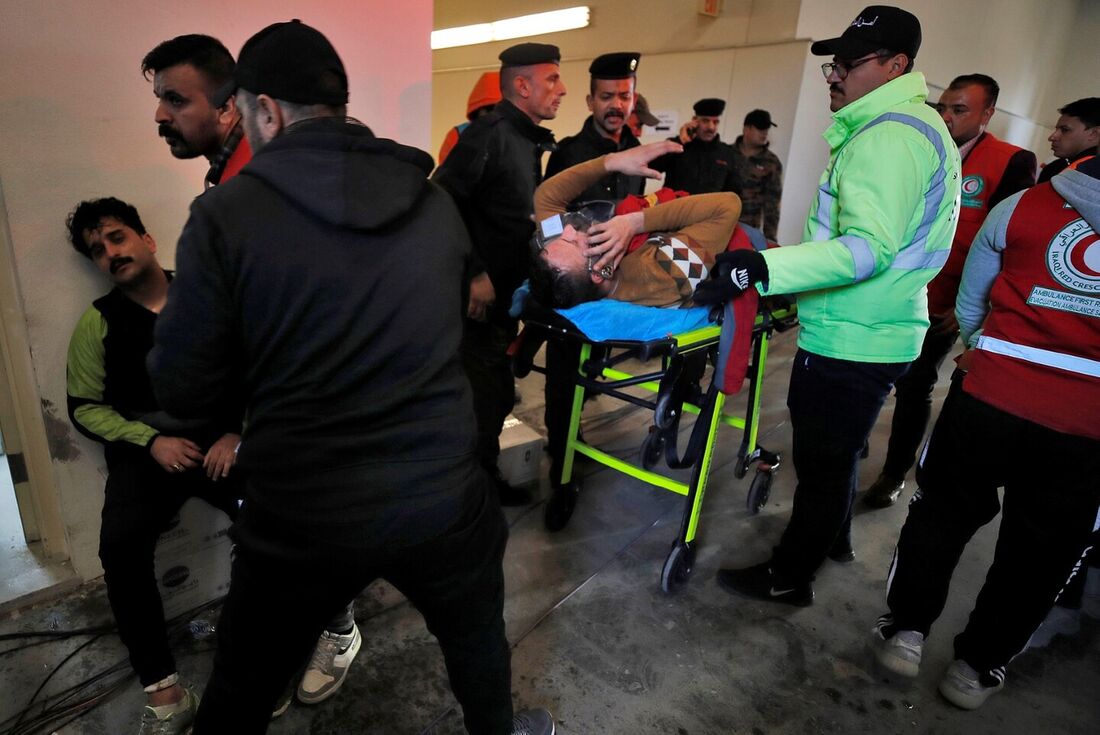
(589, 144)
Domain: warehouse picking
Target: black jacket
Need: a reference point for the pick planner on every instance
(701, 169)
(1058, 165)
(589, 144)
(325, 284)
(492, 173)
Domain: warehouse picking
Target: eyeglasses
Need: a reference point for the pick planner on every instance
(580, 219)
(844, 68)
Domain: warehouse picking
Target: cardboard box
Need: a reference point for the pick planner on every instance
(192, 558)
(520, 452)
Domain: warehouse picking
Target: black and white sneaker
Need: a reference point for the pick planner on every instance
(761, 583)
(966, 688)
(899, 652)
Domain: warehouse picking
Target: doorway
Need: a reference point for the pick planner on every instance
(33, 551)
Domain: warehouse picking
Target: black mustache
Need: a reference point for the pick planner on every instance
(834, 87)
(167, 131)
(119, 262)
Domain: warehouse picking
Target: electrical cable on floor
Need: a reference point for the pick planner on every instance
(50, 708)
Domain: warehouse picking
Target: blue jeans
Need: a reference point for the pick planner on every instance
(833, 404)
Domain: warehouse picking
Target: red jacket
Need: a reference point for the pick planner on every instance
(984, 171)
(1038, 356)
(242, 154)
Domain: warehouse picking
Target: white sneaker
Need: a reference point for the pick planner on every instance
(901, 652)
(329, 666)
(170, 719)
(962, 686)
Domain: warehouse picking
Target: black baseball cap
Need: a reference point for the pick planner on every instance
(641, 109)
(294, 63)
(760, 119)
(876, 27)
(619, 65)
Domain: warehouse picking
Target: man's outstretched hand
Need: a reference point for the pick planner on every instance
(733, 274)
(635, 161)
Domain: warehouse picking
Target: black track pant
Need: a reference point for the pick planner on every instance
(1050, 501)
(140, 500)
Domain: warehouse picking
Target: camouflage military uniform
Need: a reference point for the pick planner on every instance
(762, 187)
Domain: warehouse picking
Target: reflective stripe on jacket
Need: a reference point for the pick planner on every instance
(879, 229)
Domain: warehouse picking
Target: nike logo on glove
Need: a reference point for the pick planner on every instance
(776, 593)
(740, 277)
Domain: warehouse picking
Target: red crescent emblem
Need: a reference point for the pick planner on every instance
(1086, 251)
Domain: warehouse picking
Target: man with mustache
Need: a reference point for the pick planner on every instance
(878, 230)
(611, 96)
(707, 164)
(155, 461)
(195, 114)
(360, 445)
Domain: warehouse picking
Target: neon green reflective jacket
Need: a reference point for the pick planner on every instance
(879, 229)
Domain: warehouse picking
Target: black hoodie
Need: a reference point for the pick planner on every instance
(324, 283)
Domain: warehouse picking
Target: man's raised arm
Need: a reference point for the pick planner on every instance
(553, 195)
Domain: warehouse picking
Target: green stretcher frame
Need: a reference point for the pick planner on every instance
(678, 565)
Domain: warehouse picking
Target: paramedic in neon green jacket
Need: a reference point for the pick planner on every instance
(879, 229)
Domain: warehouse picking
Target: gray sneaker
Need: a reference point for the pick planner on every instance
(901, 652)
(963, 687)
(329, 666)
(533, 722)
(173, 719)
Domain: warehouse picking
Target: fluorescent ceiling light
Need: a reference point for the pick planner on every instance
(502, 30)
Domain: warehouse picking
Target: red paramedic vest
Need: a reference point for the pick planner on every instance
(1038, 356)
(982, 172)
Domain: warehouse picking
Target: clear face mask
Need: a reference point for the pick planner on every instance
(585, 216)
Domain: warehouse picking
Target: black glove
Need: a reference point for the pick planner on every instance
(733, 274)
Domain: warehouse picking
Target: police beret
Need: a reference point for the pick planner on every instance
(710, 107)
(526, 54)
(619, 65)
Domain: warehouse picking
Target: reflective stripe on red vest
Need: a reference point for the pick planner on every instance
(1039, 354)
(982, 172)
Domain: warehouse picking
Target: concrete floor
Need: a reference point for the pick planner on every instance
(598, 643)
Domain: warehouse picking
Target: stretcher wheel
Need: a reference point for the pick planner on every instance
(652, 448)
(759, 491)
(678, 566)
(559, 509)
(663, 416)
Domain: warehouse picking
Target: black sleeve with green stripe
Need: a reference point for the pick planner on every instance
(85, 375)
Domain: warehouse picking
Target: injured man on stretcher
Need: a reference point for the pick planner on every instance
(652, 251)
